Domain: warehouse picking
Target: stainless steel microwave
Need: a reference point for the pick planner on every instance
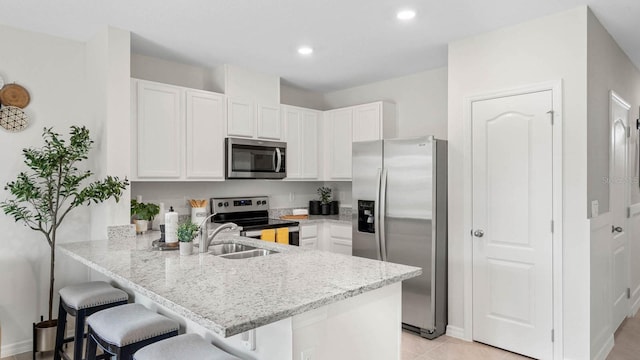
(255, 159)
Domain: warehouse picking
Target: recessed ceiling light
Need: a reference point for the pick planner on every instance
(406, 14)
(305, 50)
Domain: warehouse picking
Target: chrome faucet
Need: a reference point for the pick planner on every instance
(205, 238)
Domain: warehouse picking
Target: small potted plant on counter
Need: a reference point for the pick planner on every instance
(325, 200)
(144, 213)
(186, 232)
(43, 195)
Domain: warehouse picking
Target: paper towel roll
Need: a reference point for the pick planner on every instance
(171, 226)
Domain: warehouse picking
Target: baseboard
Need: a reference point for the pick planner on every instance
(636, 304)
(16, 348)
(456, 332)
(605, 349)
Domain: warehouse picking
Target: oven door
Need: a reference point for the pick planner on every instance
(294, 235)
(255, 159)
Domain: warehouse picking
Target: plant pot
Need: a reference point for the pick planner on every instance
(141, 226)
(44, 335)
(186, 248)
(325, 209)
(314, 207)
(335, 207)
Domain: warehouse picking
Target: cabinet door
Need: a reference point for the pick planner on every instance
(366, 122)
(309, 145)
(309, 236)
(338, 140)
(292, 123)
(240, 118)
(269, 124)
(340, 239)
(159, 136)
(205, 135)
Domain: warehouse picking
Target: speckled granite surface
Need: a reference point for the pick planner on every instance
(343, 218)
(229, 296)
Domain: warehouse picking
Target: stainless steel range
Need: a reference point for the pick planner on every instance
(252, 214)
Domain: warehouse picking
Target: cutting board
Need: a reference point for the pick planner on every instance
(294, 217)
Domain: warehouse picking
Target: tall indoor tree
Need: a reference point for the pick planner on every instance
(42, 196)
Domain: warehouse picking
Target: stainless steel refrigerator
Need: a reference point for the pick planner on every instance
(400, 216)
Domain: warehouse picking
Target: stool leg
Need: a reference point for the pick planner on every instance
(62, 323)
(91, 346)
(79, 335)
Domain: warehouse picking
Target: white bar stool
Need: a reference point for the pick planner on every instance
(187, 346)
(82, 300)
(123, 330)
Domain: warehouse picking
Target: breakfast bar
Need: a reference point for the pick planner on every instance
(293, 302)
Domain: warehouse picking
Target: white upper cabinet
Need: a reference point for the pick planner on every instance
(337, 143)
(254, 103)
(374, 121)
(177, 133)
(205, 135)
(157, 127)
(241, 118)
(269, 122)
(302, 133)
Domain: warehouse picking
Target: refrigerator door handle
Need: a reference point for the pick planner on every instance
(376, 211)
(383, 213)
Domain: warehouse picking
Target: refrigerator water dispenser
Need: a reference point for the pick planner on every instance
(366, 216)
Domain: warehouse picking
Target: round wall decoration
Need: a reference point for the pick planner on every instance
(13, 118)
(14, 95)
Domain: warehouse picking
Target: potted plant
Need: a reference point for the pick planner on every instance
(325, 200)
(144, 213)
(43, 196)
(186, 232)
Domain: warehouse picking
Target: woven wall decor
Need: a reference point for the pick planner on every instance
(13, 118)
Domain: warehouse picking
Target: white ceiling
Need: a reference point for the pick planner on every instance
(355, 41)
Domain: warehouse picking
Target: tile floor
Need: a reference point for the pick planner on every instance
(447, 348)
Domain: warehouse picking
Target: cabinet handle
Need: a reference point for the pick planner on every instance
(478, 233)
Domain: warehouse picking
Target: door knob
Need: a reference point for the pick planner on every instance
(616, 229)
(478, 233)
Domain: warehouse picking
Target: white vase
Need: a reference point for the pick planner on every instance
(186, 248)
(141, 226)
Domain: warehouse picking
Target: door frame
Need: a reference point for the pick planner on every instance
(556, 90)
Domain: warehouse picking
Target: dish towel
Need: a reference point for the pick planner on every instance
(282, 236)
(268, 235)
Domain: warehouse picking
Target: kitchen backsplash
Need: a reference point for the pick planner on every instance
(282, 194)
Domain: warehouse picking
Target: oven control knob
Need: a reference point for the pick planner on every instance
(226, 203)
(219, 204)
(264, 202)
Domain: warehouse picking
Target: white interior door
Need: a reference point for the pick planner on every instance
(618, 185)
(512, 223)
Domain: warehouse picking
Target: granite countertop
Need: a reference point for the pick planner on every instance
(230, 296)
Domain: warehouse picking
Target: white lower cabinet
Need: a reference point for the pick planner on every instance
(309, 236)
(338, 238)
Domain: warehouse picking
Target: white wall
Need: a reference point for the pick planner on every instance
(108, 84)
(168, 72)
(53, 71)
(291, 95)
(548, 49)
(421, 101)
(609, 68)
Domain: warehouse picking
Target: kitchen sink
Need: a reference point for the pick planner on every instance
(248, 254)
(238, 251)
(223, 249)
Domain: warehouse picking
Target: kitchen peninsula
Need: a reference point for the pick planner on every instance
(293, 304)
